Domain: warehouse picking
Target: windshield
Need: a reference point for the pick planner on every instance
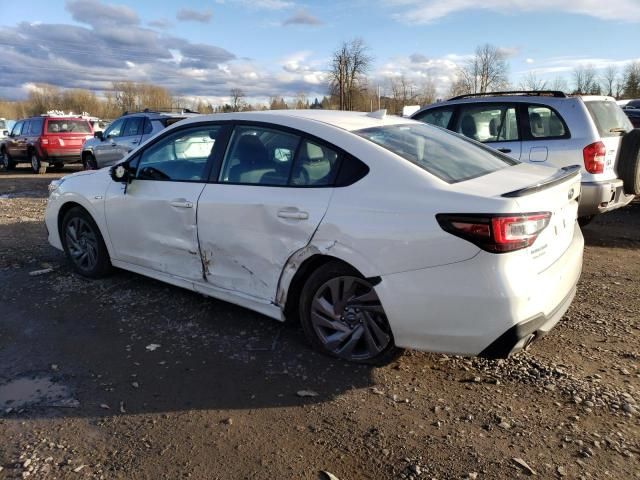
(609, 118)
(449, 157)
(68, 126)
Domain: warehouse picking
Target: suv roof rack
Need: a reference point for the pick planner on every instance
(161, 110)
(533, 93)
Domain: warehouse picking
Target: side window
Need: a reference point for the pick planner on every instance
(17, 129)
(114, 129)
(439, 117)
(315, 165)
(488, 123)
(26, 128)
(133, 127)
(259, 156)
(545, 123)
(180, 157)
(36, 126)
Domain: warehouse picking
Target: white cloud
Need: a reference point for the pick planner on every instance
(529, 60)
(420, 12)
(262, 4)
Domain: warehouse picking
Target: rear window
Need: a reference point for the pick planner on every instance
(68, 126)
(609, 118)
(449, 157)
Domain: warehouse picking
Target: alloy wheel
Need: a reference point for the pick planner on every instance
(82, 243)
(349, 320)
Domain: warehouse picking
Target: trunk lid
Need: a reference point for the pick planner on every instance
(66, 134)
(530, 189)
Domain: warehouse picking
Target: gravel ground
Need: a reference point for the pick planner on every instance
(129, 378)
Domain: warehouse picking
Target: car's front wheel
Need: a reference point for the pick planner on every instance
(6, 160)
(342, 316)
(37, 165)
(89, 162)
(84, 245)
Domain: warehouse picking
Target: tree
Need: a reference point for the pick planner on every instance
(632, 81)
(584, 80)
(347, 75)
(610, 80)
(301, 101)
(487, 71)
(237, 99)
(559, 84)
(531, 82)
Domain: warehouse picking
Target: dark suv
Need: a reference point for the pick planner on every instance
(45, 141)
(124, 134)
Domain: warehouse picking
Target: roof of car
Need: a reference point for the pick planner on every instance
(338, 118)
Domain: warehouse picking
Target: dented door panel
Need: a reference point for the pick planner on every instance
(248, 232)
(153, 226)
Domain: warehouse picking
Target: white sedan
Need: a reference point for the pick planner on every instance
(377, 232)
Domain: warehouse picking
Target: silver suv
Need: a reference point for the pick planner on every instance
(551, 128)
(124, 134)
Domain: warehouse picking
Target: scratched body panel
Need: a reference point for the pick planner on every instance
(245, 243)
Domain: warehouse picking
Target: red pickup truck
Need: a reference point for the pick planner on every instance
(45, 141)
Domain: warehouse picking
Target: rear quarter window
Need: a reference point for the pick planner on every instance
(450, 157)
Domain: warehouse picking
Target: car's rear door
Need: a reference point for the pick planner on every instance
(152, 221)
(12, 143)
(493, 123)
(269, 196)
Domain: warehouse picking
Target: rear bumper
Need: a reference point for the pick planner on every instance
(521, 335)
(61, 156)
(465, 308)
(601, 197)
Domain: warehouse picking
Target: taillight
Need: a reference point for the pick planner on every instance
(496, 233)
(594, 157)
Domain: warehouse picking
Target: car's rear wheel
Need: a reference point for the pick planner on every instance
(83, 244)
(6, 160)
(342, 316)
(89, 162)
(586, 220)
(629, 162)
(37, 165)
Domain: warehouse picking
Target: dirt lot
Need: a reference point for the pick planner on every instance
(128, 378)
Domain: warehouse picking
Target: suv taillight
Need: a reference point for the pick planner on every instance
(496, 233)
(594, 157)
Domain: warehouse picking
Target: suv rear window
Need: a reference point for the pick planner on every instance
(68, 126)
(609, 118)
(449, 157)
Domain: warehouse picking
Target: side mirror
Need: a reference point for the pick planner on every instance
(99, 135)
(121, 173)
(5, 133)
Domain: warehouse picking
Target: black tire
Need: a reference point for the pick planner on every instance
(629, 162)
(57, 166)
(89, 162)
(8, 163)
(85, 238)
(586, 220)
(37, 165)
(314, 288)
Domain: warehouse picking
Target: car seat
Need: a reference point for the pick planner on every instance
(468, 127)
(252, 160)
(556, 128)
(537, 127)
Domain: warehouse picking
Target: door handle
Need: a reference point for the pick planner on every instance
(181, 203)
(293, 214)
(504, 150)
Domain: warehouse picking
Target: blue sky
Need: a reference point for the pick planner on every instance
(281, 47)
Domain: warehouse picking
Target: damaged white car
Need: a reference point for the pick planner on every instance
(377, 232)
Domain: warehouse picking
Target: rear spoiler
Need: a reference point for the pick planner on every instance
(560, 176)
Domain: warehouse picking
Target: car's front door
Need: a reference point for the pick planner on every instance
(494, 124)
(131, 135)
(106, 152)
(272, 191)
(12, 143)
(152, 221)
